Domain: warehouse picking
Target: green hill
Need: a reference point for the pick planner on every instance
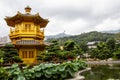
(87, 37)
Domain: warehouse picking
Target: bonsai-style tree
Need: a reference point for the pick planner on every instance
(72, 49)
(111, 44)
(117, 54)
(84, 46)
(101, 52)
(55, 53)
(10, 54)
(51, 53)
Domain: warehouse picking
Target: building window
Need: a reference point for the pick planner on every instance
(24, 54)
(27, 54)
(31, 54)
(27, 26)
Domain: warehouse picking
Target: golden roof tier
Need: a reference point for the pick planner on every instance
(27, 17)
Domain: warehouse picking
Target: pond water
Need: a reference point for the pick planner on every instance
(103, 72)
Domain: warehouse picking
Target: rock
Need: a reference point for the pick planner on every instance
(110, 59)
(77, 75)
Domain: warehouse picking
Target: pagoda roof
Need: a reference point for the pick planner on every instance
(19, 17)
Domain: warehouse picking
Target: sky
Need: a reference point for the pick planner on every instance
(72, 16)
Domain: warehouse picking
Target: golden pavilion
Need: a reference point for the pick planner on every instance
(27, 34)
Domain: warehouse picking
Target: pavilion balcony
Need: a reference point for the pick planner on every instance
(26, 33)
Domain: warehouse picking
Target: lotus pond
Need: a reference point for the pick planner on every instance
(103, 72)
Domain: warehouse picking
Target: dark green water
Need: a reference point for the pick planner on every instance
(103, 72)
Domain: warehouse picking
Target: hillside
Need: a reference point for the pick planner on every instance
(60, 35)
(86, 37)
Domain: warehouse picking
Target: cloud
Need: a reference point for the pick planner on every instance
(108, 24)
(73, 16)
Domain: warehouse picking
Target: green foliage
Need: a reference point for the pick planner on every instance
(111, 44)
(11, 73)
(117, 45)
(117, 54)
(1, 61)
(17, 59)
(83, 46)
(1, 53)
(117, 36)
(51, 53)
(86, 37)
(16, 73)
(101, 52)
(44, 71)
(4, 75)
(54, 47)
(69, 45)
(54, 53)
(9, 54)
(82, 39)
(106, 50)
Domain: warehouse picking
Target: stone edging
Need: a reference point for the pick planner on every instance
(77, 75)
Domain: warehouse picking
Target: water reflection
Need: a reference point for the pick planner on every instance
(103, 72)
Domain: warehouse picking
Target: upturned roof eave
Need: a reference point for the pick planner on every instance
(40, 21)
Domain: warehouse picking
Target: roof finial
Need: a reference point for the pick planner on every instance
(27, 9)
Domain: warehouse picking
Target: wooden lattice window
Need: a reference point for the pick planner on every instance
(31, 54)
(24, 54)
(27, 26)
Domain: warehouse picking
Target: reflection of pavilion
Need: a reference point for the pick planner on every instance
(27, 34)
